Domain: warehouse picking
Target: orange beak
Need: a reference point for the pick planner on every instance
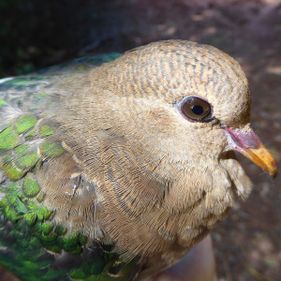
(249, 144)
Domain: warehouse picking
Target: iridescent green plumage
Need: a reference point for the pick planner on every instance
(32, 244)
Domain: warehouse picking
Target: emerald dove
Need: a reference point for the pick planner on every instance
(114, 167)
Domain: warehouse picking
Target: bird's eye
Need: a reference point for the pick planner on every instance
(196, 109)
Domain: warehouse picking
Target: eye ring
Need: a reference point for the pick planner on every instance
(195, 109)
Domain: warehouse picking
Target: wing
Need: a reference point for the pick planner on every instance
(47, 203)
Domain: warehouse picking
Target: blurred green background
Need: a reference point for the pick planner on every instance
(35, 34)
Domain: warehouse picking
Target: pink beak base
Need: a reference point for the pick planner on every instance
(249, 144)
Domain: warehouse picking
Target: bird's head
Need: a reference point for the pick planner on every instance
(179, 105)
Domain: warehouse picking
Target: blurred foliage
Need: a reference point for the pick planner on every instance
(36, 33)
(31, 33)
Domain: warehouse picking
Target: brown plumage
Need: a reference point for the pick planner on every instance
(136, 171)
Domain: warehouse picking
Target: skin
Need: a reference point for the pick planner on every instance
(150, 179)
(197, 265)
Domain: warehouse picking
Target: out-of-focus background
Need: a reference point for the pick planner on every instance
(36, 34)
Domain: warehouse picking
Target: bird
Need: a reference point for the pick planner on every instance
(114, 166)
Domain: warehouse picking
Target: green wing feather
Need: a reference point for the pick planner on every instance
(31, 245)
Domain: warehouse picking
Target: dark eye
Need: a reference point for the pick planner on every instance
(196, 109)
